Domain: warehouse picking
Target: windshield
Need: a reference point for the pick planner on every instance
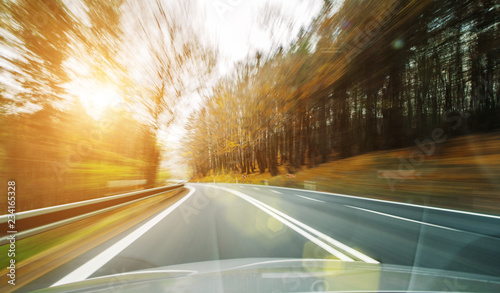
(222, 145)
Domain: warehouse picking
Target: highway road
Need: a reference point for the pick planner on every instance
(233, 221)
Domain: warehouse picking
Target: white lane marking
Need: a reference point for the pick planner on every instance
(332, 241)
(387, 201)
(101, 259)
(404, 219)
(294, 227)
(256, 188)
(310, 198)
(327, 238)
(275, 191)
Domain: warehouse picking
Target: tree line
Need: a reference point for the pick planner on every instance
(374, 75)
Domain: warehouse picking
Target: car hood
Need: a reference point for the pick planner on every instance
(285, 275)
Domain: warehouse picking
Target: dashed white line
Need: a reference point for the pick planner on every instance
(403, 219)
(256, 188)
(275, 191)
(310, 198)
(390, 202)
(293, 226)
(306, 231)
(101, 259)
(332, 241)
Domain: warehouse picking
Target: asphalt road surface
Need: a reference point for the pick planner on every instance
(226, 221)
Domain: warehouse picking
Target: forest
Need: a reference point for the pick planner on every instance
(80, 105)
(374, 75)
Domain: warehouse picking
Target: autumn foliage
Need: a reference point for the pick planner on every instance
(375, 75)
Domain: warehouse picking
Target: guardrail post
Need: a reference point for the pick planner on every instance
(310, 185)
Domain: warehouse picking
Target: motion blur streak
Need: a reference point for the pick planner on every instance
(392, 100)
(94, 264)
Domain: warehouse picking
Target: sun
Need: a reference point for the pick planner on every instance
(97, 97)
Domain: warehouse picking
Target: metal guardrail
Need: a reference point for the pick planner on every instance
(78, 210)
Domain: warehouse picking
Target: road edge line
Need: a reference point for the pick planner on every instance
(91, 266)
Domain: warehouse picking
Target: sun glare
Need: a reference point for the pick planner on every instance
(97, 97)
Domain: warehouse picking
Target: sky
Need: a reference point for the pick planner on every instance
(235, 27)
(238, 23)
